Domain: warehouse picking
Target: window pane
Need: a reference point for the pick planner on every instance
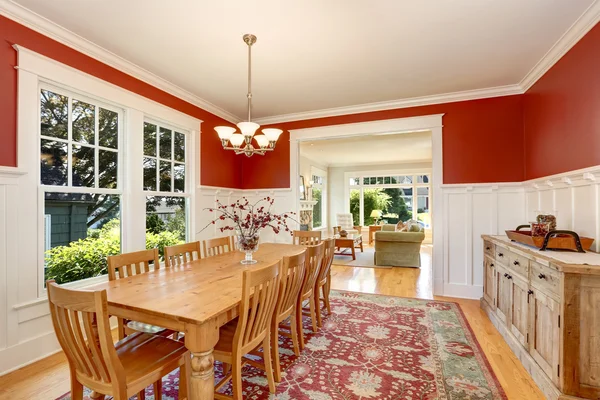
(394, 179)
(83, 166)
(166, 222)
(84, 119)
(150, 174)
(179, 177)
(355, 205)
(397, 207)
(165, 176)
(149, 139)
(406, 191)
(423, 214)
(179, 146)
(165, 143)
(317, 208)
(53, 163)
(108, 126)
(373, 180)
(354, 181)
(386, 180)
(423, 179)
(380, 180)
(54, 115)
(406, 179)
(82, 229)
(107, 164)
(423, 191)
(366, 181)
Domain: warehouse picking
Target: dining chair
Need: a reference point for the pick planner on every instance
(216, 246)
(181, 253)
(292, 277)
(251, 330)
(307, 238)
(80, 320)
(127, 265)
(313, 260)
(323, 283)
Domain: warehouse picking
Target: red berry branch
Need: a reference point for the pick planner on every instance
(248, 219)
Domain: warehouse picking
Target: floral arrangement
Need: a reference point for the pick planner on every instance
(248, 219)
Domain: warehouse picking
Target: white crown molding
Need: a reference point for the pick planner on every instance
(583, 25)
(395, 104)
(54, 31)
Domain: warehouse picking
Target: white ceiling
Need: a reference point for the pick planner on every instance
(315, 54)
(367, 150)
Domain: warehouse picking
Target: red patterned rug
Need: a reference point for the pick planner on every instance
(376, 347)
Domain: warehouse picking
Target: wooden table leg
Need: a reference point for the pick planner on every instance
(353, 253)
(200, 341)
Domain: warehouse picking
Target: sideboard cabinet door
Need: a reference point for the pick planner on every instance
(502, 294)
(519, 315)
(489, 280)
(544, 336)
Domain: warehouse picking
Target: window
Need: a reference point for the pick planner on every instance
(165, 182)
(79, 179)
(399, 197)
(318, 194)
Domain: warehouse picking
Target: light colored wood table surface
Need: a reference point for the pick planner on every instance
(196, 298)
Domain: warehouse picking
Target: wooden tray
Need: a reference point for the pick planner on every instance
(559, 242)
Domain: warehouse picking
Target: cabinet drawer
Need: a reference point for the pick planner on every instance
(501, 255)
(545, 279)
(518, 264)
(488, 248)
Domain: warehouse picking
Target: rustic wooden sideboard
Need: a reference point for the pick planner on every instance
(546, 305)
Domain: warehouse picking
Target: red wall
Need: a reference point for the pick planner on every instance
(218, 168)
(482, 142)
(562, 113)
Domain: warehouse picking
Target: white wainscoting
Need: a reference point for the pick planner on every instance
(470, 211)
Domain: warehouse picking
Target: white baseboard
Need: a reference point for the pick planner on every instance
(463, 291)
(25, 353)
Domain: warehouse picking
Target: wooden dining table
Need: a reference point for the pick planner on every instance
(196, 298)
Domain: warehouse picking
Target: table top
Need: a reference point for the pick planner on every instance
(195, 292)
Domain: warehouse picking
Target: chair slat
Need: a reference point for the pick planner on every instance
(181, 254)
(307, 238)
(216, 246)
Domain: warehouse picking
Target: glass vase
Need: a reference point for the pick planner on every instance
(248, 244)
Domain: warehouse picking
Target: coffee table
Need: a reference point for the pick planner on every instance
(351, 242)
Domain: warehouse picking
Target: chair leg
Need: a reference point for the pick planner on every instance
(76, 387)
(142, 394)
(236, 378)
(226, 368)
(294, 333)
(326, 290)
(97, 396)
(317, 301)
(121, 328)
(299, 328)
(157, 386)
(313, 314)
(268, 362)
(275, 351)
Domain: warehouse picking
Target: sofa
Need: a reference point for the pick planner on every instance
(398, 249)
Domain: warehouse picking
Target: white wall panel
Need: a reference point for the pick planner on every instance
(511, 210)
(483, 214)
(457, 243)
(547, 201)
(584, 221)
(563, 199)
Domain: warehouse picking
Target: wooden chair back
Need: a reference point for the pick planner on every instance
(313, 261)
(233, 242)
(292, 276)
(129, 264)
(216, 246)
(260, 288)
(181, 253)
(329, 252)
(336, 230)
(307, 238)
(80, 320)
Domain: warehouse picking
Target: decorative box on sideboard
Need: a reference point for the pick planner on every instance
(546, 305)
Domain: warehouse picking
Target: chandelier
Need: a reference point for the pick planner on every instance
(241, 143)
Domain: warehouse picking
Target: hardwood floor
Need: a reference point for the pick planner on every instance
(49, 378)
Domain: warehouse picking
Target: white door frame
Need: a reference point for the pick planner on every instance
(431, 123)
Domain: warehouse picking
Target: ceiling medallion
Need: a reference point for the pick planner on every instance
(241, 143)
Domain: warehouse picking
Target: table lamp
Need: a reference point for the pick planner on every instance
(376, 214)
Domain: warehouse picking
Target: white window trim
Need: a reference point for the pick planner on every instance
(35, 70)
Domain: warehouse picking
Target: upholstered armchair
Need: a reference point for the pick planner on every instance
(398, 249)
(346, 223)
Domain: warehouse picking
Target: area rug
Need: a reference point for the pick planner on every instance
(363, 259)
(376, 347)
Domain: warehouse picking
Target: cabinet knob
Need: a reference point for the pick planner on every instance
(530, 292)
(492, 264)
(509, 277)
(487, 248)
(500, 254)
(516, 263)
(506, 275)
(542, 276)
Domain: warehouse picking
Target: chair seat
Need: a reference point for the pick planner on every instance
(225, 344)
(143, 353)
